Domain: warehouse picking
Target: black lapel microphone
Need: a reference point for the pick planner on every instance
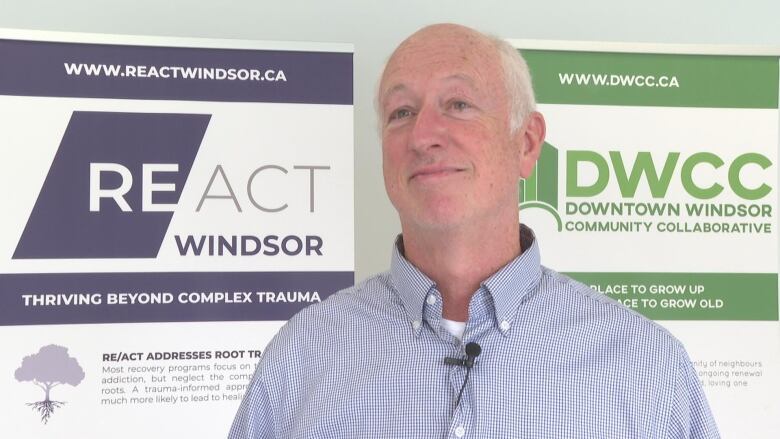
(473, 350)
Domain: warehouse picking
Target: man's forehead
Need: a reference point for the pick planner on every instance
(456, 79)
(443, 46)
(458, 55)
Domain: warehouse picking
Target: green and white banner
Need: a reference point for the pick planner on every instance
(657, 186)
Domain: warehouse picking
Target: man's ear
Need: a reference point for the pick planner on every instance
(530, 138)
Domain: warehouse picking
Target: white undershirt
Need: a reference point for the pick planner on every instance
(454, 328)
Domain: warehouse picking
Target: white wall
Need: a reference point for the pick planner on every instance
(376, 27)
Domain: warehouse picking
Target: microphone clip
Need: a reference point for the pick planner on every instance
(472, 352)
(450, 361)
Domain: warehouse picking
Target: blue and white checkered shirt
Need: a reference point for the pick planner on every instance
(559, 360)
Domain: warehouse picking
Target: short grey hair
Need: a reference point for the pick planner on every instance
(517, 79)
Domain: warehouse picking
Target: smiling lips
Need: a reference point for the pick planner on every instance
(432, 172)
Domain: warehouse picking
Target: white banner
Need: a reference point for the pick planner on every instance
(167, 205)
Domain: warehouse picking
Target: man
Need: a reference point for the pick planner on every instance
(557, 360)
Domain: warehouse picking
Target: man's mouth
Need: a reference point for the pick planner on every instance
(433, 172)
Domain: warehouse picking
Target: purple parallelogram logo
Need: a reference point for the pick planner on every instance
(112, 187)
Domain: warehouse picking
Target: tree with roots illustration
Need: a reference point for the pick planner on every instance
(49, 368)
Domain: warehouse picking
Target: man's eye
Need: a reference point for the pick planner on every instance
(460, 105)
(400, 114)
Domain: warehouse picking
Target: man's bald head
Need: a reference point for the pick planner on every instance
(469, 43)
(455, 140)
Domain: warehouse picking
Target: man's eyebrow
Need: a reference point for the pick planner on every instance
(392, 90)
(461, 77)
(401, 87)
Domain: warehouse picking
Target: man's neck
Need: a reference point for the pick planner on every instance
(459, 259)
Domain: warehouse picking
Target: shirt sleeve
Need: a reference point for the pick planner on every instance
(690, 417)
(254, 419)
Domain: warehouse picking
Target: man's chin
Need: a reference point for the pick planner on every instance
(442, 218)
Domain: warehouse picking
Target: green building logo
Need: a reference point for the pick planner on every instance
(540, 190)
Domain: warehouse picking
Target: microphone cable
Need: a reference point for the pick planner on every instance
(473, 350)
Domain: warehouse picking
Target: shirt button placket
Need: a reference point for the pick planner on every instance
(462, 417)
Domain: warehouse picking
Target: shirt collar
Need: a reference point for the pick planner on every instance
(410, 283)
(508, 287)
(511, 284)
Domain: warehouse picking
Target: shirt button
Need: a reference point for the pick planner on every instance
(460, 431)
(416, 325)
(505, 326)
(431, 299)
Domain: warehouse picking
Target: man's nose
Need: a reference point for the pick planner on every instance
(429, 129)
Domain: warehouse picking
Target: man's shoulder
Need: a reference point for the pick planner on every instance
(589, 309)
(344, 310)
(330, 325)
(371, 294)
